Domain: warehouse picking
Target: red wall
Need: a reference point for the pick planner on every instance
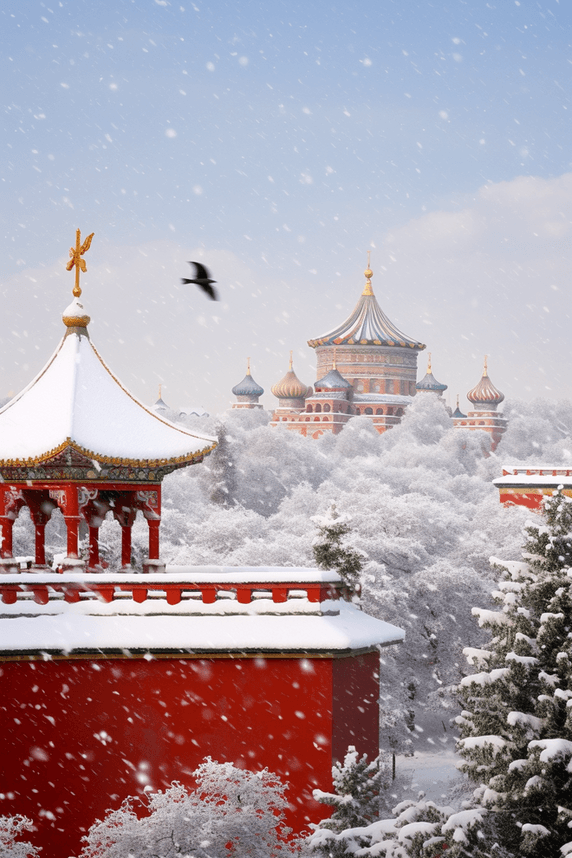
(79, 735)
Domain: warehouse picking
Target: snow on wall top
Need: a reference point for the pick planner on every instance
(226, 627)
(76, 400)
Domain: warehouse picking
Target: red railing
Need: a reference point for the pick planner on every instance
(172, 592)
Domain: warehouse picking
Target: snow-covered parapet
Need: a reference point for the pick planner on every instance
(191, 609)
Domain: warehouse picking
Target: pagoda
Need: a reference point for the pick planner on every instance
(77, 440)
(377, 360)
(118, 682)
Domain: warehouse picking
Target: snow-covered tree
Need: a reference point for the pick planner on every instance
(516, 727)
(355, 799)
(220, 468)
(11, 828)
(333, 551)
(231, 812)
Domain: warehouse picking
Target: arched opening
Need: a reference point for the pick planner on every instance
(309, 409)
(369, 410)
(327, 407)
(399, 412)
(318, 408)
(316, 419)
(379, 410)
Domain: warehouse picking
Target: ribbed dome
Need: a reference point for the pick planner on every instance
(485, 393)
(333, 380)
(290, 387)
(247, 387)
(429, 382)
(367, 326)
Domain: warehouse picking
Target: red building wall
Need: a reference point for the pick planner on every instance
(79, 735)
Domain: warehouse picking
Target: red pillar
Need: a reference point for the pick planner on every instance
(40, 544)
(93, 547)
(126, 545)
(154, 525)
(72, 519)
(7, 524)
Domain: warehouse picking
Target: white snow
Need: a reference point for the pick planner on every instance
(76, 397)
(74, 629)
(552, 749)
(192, 625)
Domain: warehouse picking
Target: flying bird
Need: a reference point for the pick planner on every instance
(203, 280)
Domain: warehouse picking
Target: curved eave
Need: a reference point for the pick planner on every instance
(68, 444)
(76, 402)
(367, 326)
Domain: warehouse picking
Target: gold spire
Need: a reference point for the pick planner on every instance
(485, 370)
(368, 274)
(159, 391)
(457, 401)
(76, 260)
(334, 362)
(429, 363)
(248, 366)
(290, 364)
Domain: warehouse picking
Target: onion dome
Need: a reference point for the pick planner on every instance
(429, 382)
(457, 412)
(333, 380)
(290, 387)
(367, 326)
(248, 386)
(485, 393)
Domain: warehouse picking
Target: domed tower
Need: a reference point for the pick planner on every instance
(429, 383)
(291, 394)
(377, 359)
(485, 399)
(247, 391)
(330, 407)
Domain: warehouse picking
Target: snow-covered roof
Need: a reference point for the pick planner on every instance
(77, 402)
(387, 398)
(296, 626)
(367, 325)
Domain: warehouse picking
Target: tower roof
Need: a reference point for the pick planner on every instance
(77, 408)
(457, 412)
(485, 393)
(290, 387)
(333, 380)
(367, 326)
(429, 382)
(248, 386)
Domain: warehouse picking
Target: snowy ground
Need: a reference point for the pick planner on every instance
(432, 773)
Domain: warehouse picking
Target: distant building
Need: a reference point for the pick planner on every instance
(485, 399)
(366, 352)
(527, 485)
(247, 391)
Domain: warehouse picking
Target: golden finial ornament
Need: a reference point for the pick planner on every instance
(429, 370)
(76, 260)
(291, 362)
(485, 369)
(248, 366)
(334, 365)
(368, 274)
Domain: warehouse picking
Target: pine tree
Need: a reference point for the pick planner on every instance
(331, 550)
(356, 799)
(516, 727)
(221, 470)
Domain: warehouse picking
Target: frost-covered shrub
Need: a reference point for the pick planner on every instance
(231, 812)
(11, 828)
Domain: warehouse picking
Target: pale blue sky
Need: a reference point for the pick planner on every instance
(281, 141)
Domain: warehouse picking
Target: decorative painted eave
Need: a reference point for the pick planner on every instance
(366, 326)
